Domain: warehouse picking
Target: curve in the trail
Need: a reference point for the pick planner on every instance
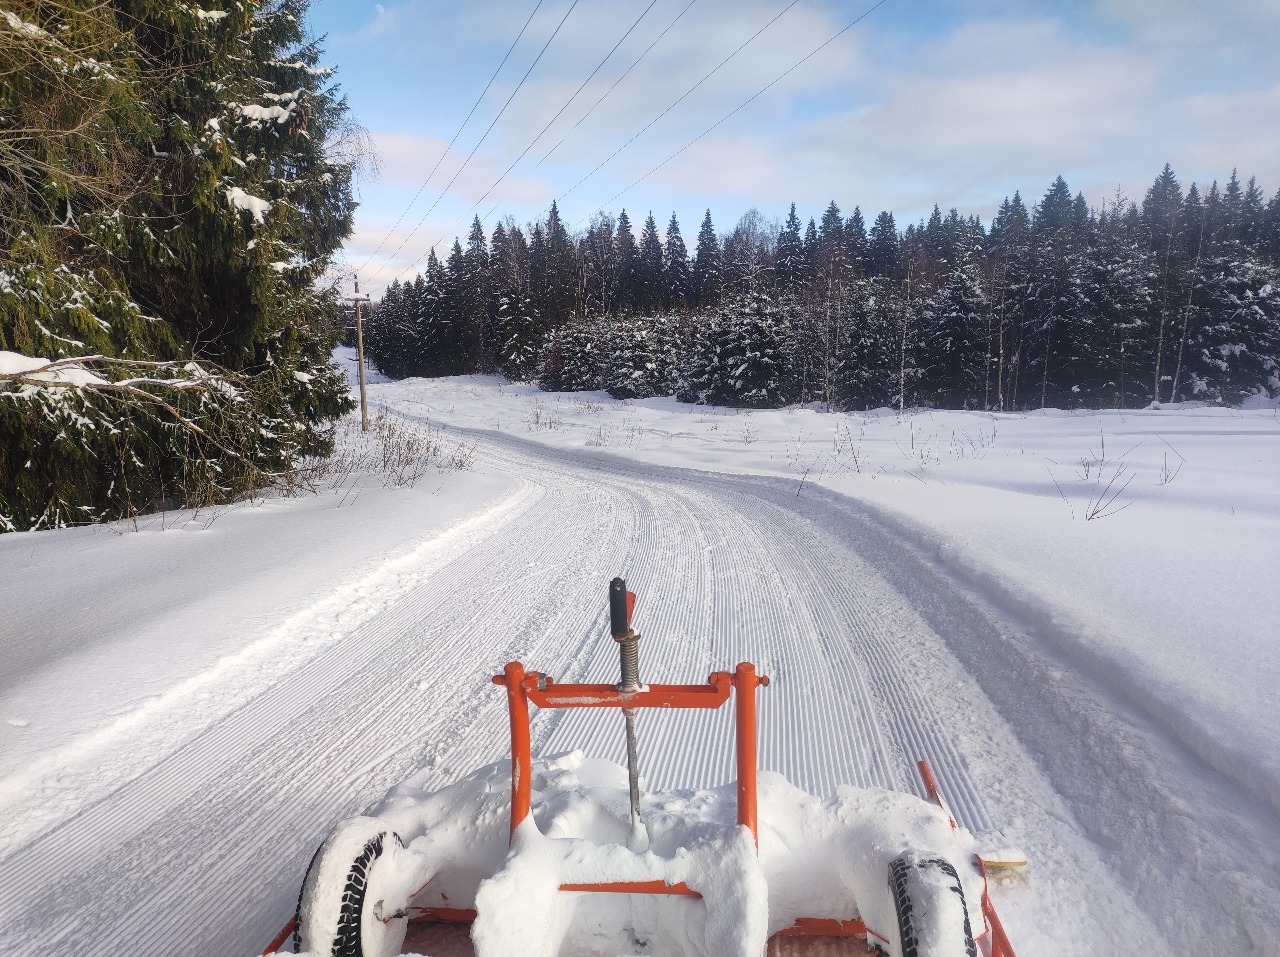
(203, 853)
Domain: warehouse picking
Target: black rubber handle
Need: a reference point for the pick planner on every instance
(619, 626)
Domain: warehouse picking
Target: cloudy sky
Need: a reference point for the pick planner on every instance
(953, 102)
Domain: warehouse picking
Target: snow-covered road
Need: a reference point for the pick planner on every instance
(878, 656)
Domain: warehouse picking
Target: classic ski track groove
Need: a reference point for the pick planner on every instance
(207, 847)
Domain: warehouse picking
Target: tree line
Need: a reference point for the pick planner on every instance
(1059, 304)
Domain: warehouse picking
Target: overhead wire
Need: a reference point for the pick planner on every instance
(603, 97)
(476, 148)
(470, 113)
(719, 66)
(795, 66)
(687, 93)
(544, 129)
(606, 93)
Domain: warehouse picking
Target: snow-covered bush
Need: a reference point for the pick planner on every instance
(572, 357)
(739, 358)
(642, 356)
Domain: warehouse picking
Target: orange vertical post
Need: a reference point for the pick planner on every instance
(745, 682)
(521, 759)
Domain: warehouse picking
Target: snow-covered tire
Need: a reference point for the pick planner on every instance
(340, 912)
(933, 917)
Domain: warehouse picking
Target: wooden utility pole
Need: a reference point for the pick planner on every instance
(364, 405)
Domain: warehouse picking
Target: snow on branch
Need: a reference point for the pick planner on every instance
(255, 205)
(32, 378)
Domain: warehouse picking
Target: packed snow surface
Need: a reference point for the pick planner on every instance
(1073, 617)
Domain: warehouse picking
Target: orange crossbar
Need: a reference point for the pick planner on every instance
(823, 927)
(281, 937)
(445, 915)
(635, 887)
(545, 693)
(931, 788)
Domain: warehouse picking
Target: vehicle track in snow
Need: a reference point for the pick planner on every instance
(203, 853)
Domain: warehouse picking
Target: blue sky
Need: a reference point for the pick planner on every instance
(924, 102)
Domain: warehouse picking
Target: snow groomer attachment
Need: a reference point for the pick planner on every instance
(569, 858)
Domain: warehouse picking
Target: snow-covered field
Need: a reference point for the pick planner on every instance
(1074, 616)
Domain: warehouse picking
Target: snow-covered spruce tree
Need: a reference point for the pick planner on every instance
(557, 297)
(519, 342)
(677, 276)
(699, 372)
(435, 331)
(956, 348)
(599, 254)
(789, 272)
(708, 270)
(177, 198)
(1009, 261)
(884, 257)
(1118, 280)
(873, 368)
(648, 269)
(855, 237)
(1233, 344)
(573, 356)
(739, 358)
(1057, 334)
(388, 332)
(517, 330)
(475, 339)
(626, 263)
(641, 356)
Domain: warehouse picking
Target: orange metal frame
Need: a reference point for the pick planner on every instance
(524, 687)
(1000, 946)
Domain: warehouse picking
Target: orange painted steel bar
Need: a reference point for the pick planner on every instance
(281, 937)
(1000, 946)
(745, 682)
(442, 915)
(931, 788)
(824, 927)
(545, 693)
(635, 887)
(521, 759)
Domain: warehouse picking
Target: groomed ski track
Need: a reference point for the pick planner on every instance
(202, 854)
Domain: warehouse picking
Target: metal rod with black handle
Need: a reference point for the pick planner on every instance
(620, 604)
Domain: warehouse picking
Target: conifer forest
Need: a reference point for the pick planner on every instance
(1058, 304)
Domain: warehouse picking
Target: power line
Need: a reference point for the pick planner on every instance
(456, 135)
(741, 105)
(615, 83)
(543, 131)
(671, 107)
(682, 98)
(449, 185)
(795, 66)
